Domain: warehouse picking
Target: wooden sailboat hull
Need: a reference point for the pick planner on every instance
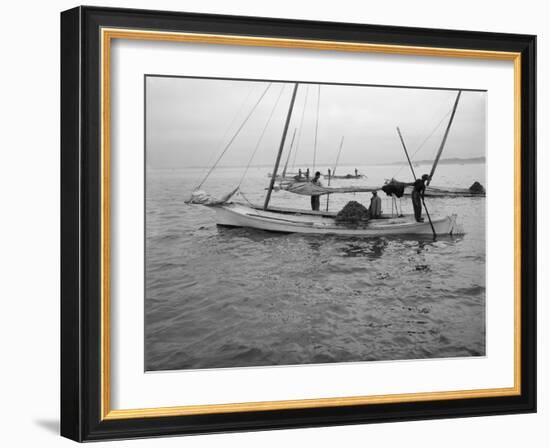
(240, 215)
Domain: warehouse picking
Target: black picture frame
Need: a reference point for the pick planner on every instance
(81, 224)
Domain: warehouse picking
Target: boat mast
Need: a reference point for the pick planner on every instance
(278, 160)
(444, 138)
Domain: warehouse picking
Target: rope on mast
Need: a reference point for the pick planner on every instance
(424, 142)
(316, 127)
(229, 126)
(289, 152)
(338, 156)
(235, 135)
(262, 134)
(300, 128)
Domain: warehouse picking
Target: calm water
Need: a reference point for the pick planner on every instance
(220, 297)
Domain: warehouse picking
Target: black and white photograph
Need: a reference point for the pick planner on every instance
(291, 223)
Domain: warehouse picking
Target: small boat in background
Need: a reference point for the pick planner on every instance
(345, 176)
(332, 173)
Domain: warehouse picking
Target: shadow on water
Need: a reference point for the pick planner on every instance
(256, 235)
(315, 243)
(372, 249)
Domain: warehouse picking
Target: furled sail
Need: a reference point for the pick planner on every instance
(310, 189)
(203, 198)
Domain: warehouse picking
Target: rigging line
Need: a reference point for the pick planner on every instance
(316, 127)
(338, 156)
(231, 123)
(300, 128)
(289, 153)
(246, 199)
(235, 135)
(262, 134)
(424, 142)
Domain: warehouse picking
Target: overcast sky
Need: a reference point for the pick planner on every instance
(189, 122)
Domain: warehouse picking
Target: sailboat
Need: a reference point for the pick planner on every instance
(289, 220)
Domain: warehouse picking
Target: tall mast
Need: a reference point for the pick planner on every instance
(278, 160)
(444, 138)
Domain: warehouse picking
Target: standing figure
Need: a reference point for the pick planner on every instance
(307, 174)
(419, 188)
(356, 172)
(316, 199)
(375, 209)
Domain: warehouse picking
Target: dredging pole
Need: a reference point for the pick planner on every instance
(414, 176)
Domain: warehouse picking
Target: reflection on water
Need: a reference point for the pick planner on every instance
(373, 248)
(225, 297)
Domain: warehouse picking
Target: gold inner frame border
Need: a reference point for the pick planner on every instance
(107, 35)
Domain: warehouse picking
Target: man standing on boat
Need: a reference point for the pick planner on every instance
(419, 188)
(316, 199)
(375, 209)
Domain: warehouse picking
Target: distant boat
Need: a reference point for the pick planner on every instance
(332, 174)
(345, 176)
(288, 175)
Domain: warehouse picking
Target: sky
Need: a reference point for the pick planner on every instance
(190, 121)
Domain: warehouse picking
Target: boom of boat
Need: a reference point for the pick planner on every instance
(448, 192)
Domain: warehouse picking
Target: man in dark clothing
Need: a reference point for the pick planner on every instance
(419, 188)
(316, 199)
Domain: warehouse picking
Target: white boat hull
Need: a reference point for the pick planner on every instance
(240, 215)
